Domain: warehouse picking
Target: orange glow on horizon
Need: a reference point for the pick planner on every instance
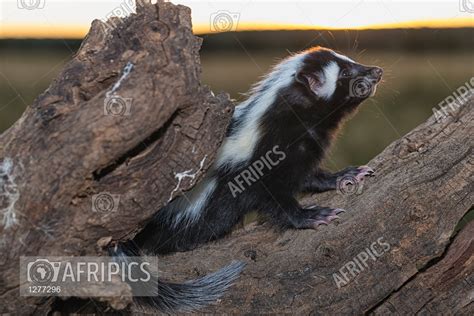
(440, 23)
(79, 31)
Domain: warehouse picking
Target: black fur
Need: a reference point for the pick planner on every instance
(302, 125)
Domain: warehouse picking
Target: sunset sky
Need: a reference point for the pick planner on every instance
(72, 18)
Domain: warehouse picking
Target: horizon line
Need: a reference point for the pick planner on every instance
(25, 31)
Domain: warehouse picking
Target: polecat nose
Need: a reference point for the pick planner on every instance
(376, 72)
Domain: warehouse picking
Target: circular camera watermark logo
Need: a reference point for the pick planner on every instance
(117, 106)
(30, 4)
(361, 87)
(466, 6)
(41, 271)
(224, 21)
(105, 202)
(349, 185)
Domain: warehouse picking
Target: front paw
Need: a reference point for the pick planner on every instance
(350, 179)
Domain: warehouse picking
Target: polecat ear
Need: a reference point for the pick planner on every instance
(314, 81)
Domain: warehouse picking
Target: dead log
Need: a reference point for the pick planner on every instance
(65, 149)
(393, 252)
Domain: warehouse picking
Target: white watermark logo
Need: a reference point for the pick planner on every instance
(87, 276)
(124, 9)
(256, 170)
(30, 4)
(42, 271)
(224, 21)
(358, 264)
(105, 202)
(466, 6)
(352, 182)
(361, 87)
(453, 102)
(117, 106)
(349, 185)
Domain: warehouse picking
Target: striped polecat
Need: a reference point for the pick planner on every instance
(272, 151)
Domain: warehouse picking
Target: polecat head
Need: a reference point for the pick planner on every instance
(335, 78)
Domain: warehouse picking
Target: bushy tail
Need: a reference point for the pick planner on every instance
(188, 296)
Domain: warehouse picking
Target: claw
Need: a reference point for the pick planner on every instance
(339, 210)
(320, 216)
(366, 169)
(320, 222)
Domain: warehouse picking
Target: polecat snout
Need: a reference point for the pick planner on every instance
(272, 151)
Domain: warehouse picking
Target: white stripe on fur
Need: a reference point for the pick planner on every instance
(331, 73)
(190, 206)
(343, 57)
(240, 146)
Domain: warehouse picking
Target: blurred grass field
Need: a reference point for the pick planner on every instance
(414, 82)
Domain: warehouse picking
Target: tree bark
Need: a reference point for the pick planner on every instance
(405, 216)
(64, 149)
(394, 251)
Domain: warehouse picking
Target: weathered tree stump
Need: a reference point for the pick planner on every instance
(395, 251)
(64, 149)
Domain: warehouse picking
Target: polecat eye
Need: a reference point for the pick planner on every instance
(345, 73)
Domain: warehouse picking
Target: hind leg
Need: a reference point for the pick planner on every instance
(287, 213)
(312, 217)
